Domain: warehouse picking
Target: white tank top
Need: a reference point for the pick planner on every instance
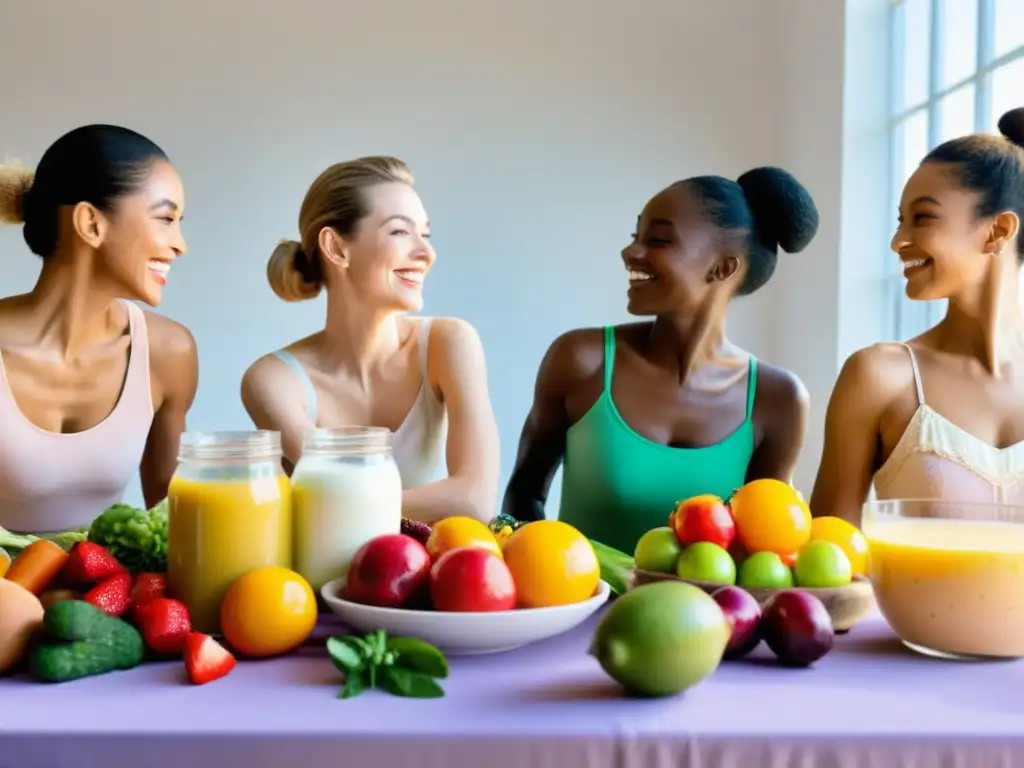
(419, 443)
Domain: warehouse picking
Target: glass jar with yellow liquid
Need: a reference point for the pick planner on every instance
(230, 511)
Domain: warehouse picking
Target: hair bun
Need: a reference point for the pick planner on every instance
(784, 211)
(15, 182)
(288, 273)
(1011, 125)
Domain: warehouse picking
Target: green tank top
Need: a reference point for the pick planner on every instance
(617, 484)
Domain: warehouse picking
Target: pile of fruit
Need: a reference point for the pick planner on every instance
(65, 615)
(463, 566)
(763, 538)
(663, 638)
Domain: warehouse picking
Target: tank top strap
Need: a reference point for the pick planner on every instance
(137, 387)
(309, 391)
(424, 346)
(917, 374)
(751, 386)
(609, 356)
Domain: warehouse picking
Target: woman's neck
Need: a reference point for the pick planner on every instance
(71, 301)
(686, 342)
(987, 323)
(358, 338)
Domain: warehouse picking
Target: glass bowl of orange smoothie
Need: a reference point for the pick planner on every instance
(948, 576)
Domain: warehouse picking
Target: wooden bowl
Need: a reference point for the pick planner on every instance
(846, 605)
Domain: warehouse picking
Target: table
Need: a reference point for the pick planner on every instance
(869, 703)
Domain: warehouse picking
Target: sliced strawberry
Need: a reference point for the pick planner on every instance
(111, 595)
(206, 660)
(164, 624)
(89, 563)
(147, 588)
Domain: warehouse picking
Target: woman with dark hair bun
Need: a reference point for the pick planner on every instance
(92, 388)
(648, 413)
(940, 416)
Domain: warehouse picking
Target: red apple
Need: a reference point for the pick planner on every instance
(472, 579)
(390, 571)
(797, 627)
(744, 614)
(704, 518)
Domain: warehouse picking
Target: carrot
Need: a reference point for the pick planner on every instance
(5, 561)
(37, 565)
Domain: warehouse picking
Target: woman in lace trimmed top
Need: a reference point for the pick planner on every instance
(365, 238)
(940, 415)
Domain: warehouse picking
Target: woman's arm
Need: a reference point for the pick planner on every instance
(473, 449)
(174, 369)
(542, 442)
(274, 400)
(852, 435)
(784, 403)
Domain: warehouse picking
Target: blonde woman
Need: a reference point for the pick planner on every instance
(365, 239)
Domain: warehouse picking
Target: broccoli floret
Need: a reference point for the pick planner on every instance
(136, 537)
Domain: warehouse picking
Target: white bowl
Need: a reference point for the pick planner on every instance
(462, 634)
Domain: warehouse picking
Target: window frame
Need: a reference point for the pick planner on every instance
(918, 315)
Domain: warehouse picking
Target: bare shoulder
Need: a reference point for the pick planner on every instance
(780, 387)
(269, 374)
(454, 332)
(168, 339)
(173, 356)
(878, 372)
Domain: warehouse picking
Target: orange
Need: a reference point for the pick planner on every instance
(771, 516)
(455, 532)
(552, 564)
(5, 562)
(845, 536)
(268, 611)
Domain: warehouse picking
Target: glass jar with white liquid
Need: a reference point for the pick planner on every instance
(346, 490)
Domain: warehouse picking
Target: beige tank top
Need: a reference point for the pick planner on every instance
(936, 459)
(51, 481)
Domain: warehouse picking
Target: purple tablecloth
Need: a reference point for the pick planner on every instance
(869, 703)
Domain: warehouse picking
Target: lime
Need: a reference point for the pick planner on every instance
(822, 564)
(661, 638)
(765, 570)
(705, 561)
(658, 550)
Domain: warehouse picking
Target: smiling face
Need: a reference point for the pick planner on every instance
(142, 236)
(674, 261)
(943, 245)
(388, 259)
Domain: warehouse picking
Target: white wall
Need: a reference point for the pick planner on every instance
(536, 130)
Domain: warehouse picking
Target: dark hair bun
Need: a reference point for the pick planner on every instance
(1011, 125)
(784, 211)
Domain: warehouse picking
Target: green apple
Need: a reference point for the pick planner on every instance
(765, 570)
(822, 564)
(657, 551)
(704, 561)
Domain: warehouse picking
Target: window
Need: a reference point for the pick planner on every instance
(957, 66)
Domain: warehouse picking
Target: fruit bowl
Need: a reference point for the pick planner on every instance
(846, 605)
(460, 634)
(948, 575)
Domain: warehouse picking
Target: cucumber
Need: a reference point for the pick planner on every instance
(80, 640)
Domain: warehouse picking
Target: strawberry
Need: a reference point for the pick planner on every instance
(89, 563)
(164, 625)
(112, 594)
(147, 588)
(206, 660)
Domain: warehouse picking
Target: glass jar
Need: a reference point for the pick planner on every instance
(229, 513)
(346, 491)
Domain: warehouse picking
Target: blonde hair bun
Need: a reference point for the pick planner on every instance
(15, 181)
(284, 276)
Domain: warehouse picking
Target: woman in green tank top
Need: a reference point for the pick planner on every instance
(648, 413)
